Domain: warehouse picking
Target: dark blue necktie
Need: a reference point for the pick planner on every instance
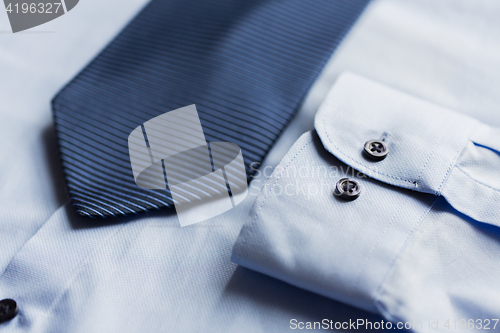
(247, 66)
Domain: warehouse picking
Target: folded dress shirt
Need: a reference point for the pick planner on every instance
(146, 274)
(421, 241)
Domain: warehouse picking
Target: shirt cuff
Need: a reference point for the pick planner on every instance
(299, 231)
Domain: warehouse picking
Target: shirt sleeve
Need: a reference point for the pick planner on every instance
(419, 242)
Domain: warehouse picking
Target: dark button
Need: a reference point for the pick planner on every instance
(8, 309)
(347, 189)
(376, 150)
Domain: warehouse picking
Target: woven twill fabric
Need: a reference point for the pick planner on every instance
(415, 243)
(246, 65)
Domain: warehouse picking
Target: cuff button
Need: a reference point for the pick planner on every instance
(8, 309)
(347, 189)
(376, 150)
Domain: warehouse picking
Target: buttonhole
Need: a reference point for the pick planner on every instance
(384, 136)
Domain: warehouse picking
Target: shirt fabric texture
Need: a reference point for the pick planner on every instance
(147, 274)
(425, 224)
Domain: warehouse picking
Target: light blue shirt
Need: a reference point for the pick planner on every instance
(147, 274)
(421, 242)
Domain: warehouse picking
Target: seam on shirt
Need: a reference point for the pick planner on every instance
(323, 125)
(266, 196)
(453, 164)
(84, 263)
(378, 304)
(450, 166)
(429, 157)
(414, 183)
(477, 181)
(32, 236)
(376, 245)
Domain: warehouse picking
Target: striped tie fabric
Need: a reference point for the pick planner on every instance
(246, 65)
